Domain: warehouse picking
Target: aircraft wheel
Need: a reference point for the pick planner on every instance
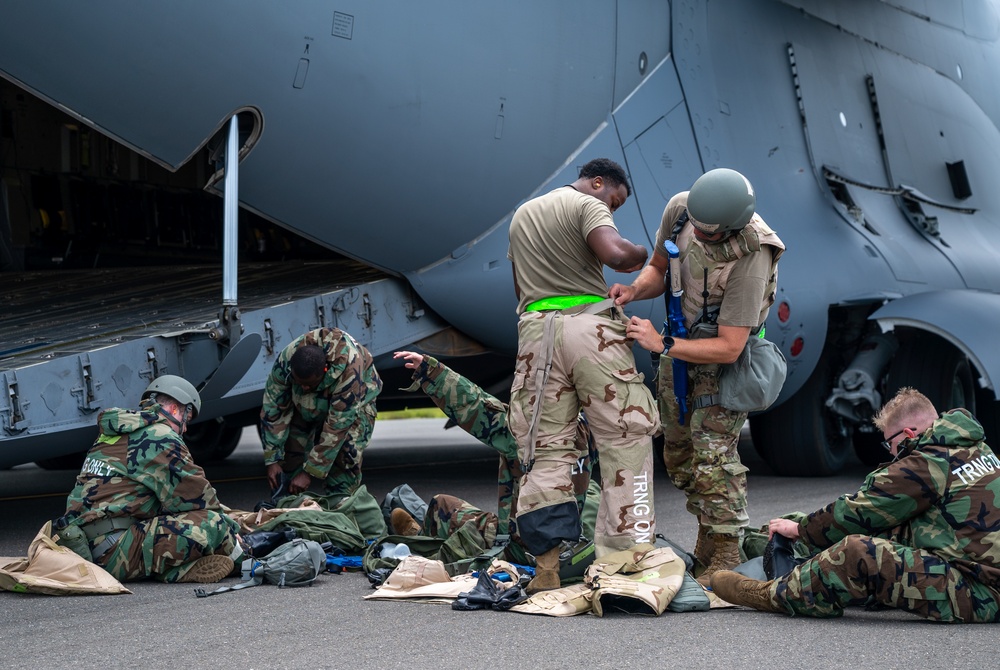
(800, 438)
(868, 448)
(66, 462)
(988, 414)
(935, 368)
(213, 440)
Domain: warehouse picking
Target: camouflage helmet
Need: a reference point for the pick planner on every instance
(177, 388)
(720, 201)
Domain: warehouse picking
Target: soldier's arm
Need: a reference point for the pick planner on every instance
(467, 404)
(168, 470)
(889, 497)
(615, 251)
(276, 412)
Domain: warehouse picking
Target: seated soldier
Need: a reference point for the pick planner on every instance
(145, 507)
(921, 534)
(485, 418)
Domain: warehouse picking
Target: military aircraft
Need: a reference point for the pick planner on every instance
(402, 136)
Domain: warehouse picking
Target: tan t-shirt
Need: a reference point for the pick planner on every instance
(548, 245)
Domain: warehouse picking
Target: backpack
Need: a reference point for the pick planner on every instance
(295, 563)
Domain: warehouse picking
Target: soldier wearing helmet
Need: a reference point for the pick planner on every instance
(728, 268)
(141, 507)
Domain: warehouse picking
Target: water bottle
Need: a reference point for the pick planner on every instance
(387, 549)
(401, 551)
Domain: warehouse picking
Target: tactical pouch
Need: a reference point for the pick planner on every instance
(73, 538)
(753, 382)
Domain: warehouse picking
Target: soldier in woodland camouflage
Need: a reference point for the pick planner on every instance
(319, 411)
(145, 508)
(729, 269)
(921, 535)
(485, 418)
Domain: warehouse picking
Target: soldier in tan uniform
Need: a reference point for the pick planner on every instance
(573, 354)
(728, 267)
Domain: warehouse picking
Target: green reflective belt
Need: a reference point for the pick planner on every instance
(562, 302)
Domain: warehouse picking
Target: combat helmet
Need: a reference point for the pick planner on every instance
(721, 201)
(177, 388)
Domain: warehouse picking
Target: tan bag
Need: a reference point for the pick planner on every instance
(55, 570)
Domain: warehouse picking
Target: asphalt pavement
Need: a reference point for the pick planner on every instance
(329, 625)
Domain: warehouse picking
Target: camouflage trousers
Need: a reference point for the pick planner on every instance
(446, 514)
(592, 369)
(165, 547)
(701, 456)
(344, 475)
(861, 570)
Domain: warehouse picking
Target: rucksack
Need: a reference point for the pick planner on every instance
(295, 563)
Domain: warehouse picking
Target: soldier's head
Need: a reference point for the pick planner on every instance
(605, 180)
(308, 366)
(178, 399)
(720, 203)
(908, 414)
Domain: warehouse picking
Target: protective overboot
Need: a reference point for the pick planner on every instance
(725, 556)
(481, 597)
(546, 572)
(739, 590)
(208, 570)
(403, 524)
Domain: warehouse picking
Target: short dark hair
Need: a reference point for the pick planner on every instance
(308, 361)
(609, 170)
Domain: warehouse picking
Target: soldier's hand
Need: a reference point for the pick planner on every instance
(299, 483)
(621, 294)
(274, 476)
(786, 527)
(413, 359)
(643, 332)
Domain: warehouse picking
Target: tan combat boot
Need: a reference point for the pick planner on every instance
(546, 572)
(208, 569)
(739, 590)
(703, 546)
(403, 523)
(725, 556)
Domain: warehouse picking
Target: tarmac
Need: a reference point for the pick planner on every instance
(330, 625)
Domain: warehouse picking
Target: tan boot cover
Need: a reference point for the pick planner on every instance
(566, 601)
(55, 570)
(642, 580)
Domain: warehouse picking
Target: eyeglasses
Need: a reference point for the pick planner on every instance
(887, 442)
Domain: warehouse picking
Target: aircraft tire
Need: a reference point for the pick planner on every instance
(213, 440)
(988, 414)
(935, 368)
(800, 438)
(65, 462)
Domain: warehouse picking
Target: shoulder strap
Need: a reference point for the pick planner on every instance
(678, 226)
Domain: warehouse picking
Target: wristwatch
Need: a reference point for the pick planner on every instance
(667, 343)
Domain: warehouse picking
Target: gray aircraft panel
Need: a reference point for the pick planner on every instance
(642, 40)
